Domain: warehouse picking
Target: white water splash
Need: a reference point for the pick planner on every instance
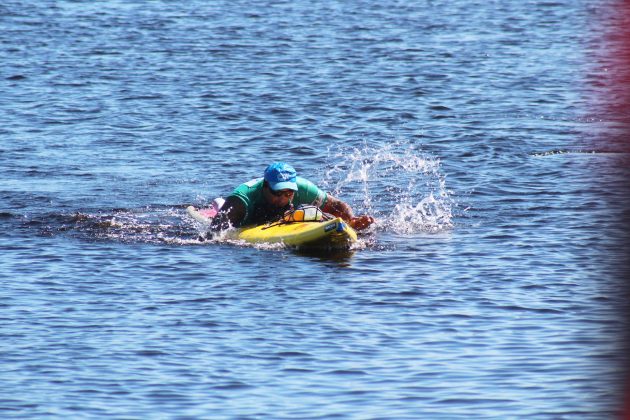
(397, 183)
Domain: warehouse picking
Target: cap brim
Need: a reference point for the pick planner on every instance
(284, 186)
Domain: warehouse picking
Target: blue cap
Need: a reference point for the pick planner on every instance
(281, 176)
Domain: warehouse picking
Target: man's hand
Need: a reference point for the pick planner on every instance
(361, 222)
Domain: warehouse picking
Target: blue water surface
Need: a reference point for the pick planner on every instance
(472, 130)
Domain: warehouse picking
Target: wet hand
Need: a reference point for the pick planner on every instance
(361, 222)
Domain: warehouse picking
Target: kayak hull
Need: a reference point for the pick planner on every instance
(329, 234)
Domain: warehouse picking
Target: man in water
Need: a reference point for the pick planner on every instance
(266, 199)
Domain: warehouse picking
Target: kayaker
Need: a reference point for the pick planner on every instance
(266, 199)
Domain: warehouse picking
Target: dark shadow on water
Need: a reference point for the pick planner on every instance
(342, 258)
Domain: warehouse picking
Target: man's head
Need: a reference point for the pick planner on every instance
(281, 183)
(281, 176)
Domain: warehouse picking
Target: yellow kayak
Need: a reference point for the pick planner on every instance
(328, 234)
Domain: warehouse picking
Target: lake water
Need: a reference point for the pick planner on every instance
(479, 134)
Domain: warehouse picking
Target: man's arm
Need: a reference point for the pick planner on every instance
(232, 214)
(338, 208)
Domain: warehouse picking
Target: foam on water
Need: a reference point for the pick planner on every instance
(401, 186)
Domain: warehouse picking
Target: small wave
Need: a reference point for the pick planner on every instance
(577, 152)
(347, 372)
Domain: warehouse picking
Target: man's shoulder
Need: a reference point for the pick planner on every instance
(250, 185)
(249, 192)
(303, 182)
